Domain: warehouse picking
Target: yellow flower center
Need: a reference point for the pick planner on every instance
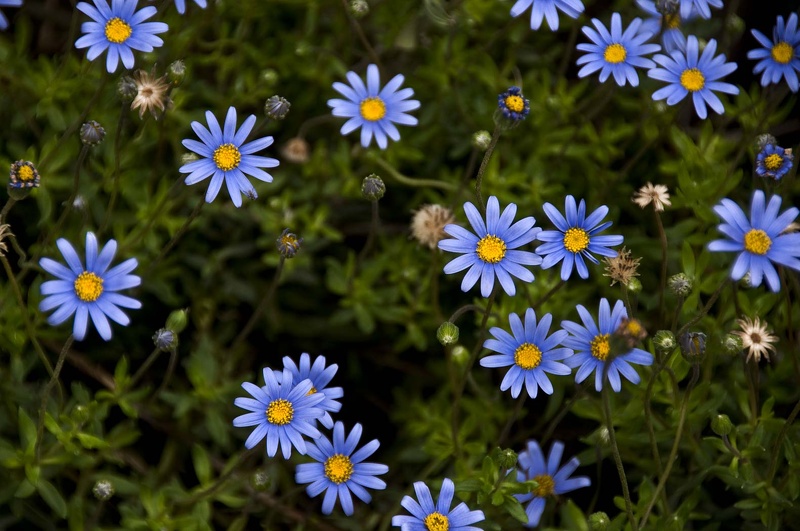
(373, 109)
(546, 485)
(227, 157)
(25, 173)
(576, 240)
(117, 30)
(88, 287)
(515, 103)
(280, 412)
(311, 391)
(615, 53)
(633, 327)
(491, 249)
(437, 522)
(528, 356)
(672, 21)
(692, 79)
(773, 162)
(600, 347)
(782, 52)
(757, 242)
(338, 468)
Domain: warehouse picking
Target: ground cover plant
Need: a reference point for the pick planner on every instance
(366, 264)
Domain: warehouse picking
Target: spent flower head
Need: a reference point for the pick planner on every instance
(656, 194)
(103, 490)
(621, 268)
(756, 338)
(680, 284)
(295, 150)
(151, 93)
(428, 223)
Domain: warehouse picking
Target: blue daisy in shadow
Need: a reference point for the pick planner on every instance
(427, 515)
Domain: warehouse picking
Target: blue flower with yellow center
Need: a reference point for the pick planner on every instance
(774, 161)
(759, 241)
(340, 470)
(513, 105)
(372, 108)
(430, 516)
(180, 5)
(691, 73)
(529, 353)
(491, 251)
(546, 9)
(281, 411)
(553, 479)
(120, 29)
(592, 344)
(90, 291)
(7, 3)
(576, 238)
(703, 7)
(227, 157)
(779, 57)
(616, 52)
(320, 377)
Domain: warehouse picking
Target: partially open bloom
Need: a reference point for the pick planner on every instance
(7, 3)
(553, 479)
(151, 93)
(656, 194)
(616, 52)
(576, 238)
(428, 223)
(340, 470)
(227, 158)
(779, 57)
(491, 250)
(427, 515)
(513, 105)
(120, 29)
(281, 411)
(547, 9)
(320, 377)
(372, 108)
(89, 291)
(756, 338)
(774, 161)
(288, 244)
(180, 5)
(593, 343)
(529, 353)
(760, 241)
(23, 174)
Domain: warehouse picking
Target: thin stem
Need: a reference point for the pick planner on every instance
(361, 36)
(374, 226)
(561, 414)
(678, 308)
(6, 209)
(214, 487)
(773, 465)
(676, 442)
(46, 393)
(662, 235)
(146, 365)
(173, 359)
(408, 181)
(705, 309)
(177, 236)
(511, 420)
(261, 307)
(544, 298)
(615, 451)
(146, 228)
(115, 185)
(484, 163)
(464, 309)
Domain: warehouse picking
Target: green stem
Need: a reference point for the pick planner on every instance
(115, 184)
(484, 163)
(662, 236)
(46, 393)
(464, 309)
(146, 365)
(374, 226)
(152, 218)
(177, 236)
(704, 311)
(544, 298)
(776, 448)
(408, 181)
(261, 307)
(6, 209)
(507, 428)
(615, 451)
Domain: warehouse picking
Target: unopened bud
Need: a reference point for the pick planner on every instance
(599, 521)
(680, 284)
(277, 108)
(634, 285)
(127, 89)
(176, 72)
(447, 334)
(260, 480)
(504, 457)
(103, 490)
(481, 140)
(664, 341)
(92, 133)
(693, 347)
(721, 425)
(460, 354)
(165, 340)
(732, 344)
(372, 187)
(177, 320)
(359, 8)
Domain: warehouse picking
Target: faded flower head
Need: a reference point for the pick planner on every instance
(151, 93)
(656, 194)
(756, 338)
(277, 107)
(427, 225)
(92, 133)
(176, 72)
(23, 174)
(288, 244)
(4, 233)
(621, 268)
(295, 150)
(631, 330)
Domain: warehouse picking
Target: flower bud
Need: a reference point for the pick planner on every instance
(634, 285)
(599, 521)
(447, 334)
(177, 320)
(103, 490)
(165, 340)
(277, 108)
(359, 8)
(22, 176)
(512, 108)
(680, 284)
(260, 480)
(127, 89)
(92, 133)
(504, 457)
(460, 354)
(664, 341)
(667, 7)
(288, 244)
(693, 347)
(763, 140)
(176, 72)
(604, 436)
(481, 140)
(372, 187)
(721, 425)
(732, 344)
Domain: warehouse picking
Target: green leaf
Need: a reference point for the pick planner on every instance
(202, 464)
(27, 431)
(687, 259)
(121, 373)
(52, 497)
(515, 509)
(91, 442)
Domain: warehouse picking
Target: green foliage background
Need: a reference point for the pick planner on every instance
(171, 453)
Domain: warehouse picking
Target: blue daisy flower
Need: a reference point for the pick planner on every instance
(227, 158)
(340, 469)
(529, 353)
(774, 161)
(320, 376)
(372, 108)
(91, 291)
(686, 73)
(780, 57)
(667, 24)
(491, 250)
(282, 412)
(7, 3)
(427, 515)
(513, 105)
(616, 52)
(547, 9)
(592, 346)
(576, 238)
(759, 241)
(703, 7)
(120, 29)
(180, 5)
(553, 479)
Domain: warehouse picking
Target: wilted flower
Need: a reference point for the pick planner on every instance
(427, 225)
(151, 93)
(277, 107)
(650, 193)
(92, 133)
(621, 268)
(4, 233)
(23, 174)
(295, 150)
(288, 244)
(756, 338)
